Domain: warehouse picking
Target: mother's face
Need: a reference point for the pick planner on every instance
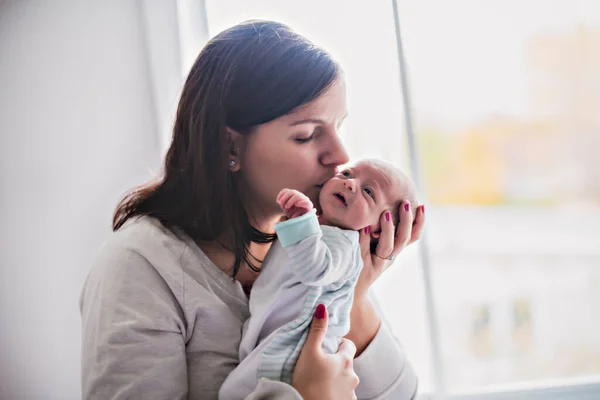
(300, 150)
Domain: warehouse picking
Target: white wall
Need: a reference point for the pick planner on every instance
(77, 129)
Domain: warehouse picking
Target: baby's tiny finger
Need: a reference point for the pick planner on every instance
(292, 200)
(280, 195)
(305, 203)
(285, 197)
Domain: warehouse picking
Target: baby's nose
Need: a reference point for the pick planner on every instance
(349, 185)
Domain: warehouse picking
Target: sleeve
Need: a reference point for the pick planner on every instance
(273, 390)
(316, 257)
(383, 368)
(133, 332)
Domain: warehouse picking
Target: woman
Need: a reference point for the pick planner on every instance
(162, 316)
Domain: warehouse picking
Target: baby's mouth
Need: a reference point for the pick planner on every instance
(341, 198)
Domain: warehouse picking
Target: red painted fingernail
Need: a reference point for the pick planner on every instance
(320, 312)
(423, 209)
(407, 207)
(387, 216)
(367, 230)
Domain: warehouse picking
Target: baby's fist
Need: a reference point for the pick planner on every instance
(294, 203)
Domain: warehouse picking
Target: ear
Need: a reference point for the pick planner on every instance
(235, 146)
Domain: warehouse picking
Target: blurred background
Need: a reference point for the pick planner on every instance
(503, 291)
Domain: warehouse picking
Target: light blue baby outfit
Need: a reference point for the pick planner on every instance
(308, 265)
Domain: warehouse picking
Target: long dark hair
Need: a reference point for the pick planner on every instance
(245, 76)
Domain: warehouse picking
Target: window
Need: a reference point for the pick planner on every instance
(506, 112)
(504, 289)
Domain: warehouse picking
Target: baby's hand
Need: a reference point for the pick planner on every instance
(294, 203)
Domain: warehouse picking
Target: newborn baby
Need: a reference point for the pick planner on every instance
(315, 260)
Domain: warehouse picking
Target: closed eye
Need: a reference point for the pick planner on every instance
(313, 135)
(305, 140)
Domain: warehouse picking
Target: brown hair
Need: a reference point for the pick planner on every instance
(245, 76)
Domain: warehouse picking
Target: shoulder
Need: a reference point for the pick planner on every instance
(143, 250)
(146, 237)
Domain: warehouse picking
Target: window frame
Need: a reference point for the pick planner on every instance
(574, 389)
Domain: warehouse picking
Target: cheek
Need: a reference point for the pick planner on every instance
(361, 216)
(274, 167)
(268, 171)
(293, 167)
(279, 165)
(367, 217)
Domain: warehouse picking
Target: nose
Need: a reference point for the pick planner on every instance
(350, 185)
(334, 153)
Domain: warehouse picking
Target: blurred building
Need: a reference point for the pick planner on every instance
(517, 291)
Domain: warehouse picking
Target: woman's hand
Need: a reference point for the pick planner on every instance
(365, 320)
(391, 243)
(322, 376)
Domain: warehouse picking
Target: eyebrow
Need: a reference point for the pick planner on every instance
(308, 121)
(314, 121)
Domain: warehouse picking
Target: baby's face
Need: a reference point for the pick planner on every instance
(357, 196)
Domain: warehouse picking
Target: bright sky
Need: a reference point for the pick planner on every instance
(479, 46)
(465, 56)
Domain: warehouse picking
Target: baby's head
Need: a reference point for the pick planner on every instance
(358, 195)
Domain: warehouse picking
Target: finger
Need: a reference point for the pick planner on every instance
(279, 195)
(365, 241)
(317, 330)
(283, 197)
(347, 348)
(305, 203)
(287, 201)
(294, 198)
(354, 380)
(282, 193)
(289, 196)
(418, 224)
(386, 240)
(302, 195)
(404, 229)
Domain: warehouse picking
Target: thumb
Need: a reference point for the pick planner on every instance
(318, 329)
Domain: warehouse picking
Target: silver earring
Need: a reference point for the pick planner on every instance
(232, 164)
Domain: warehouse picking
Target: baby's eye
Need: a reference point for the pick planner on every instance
(346, 174)
(369, 192)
